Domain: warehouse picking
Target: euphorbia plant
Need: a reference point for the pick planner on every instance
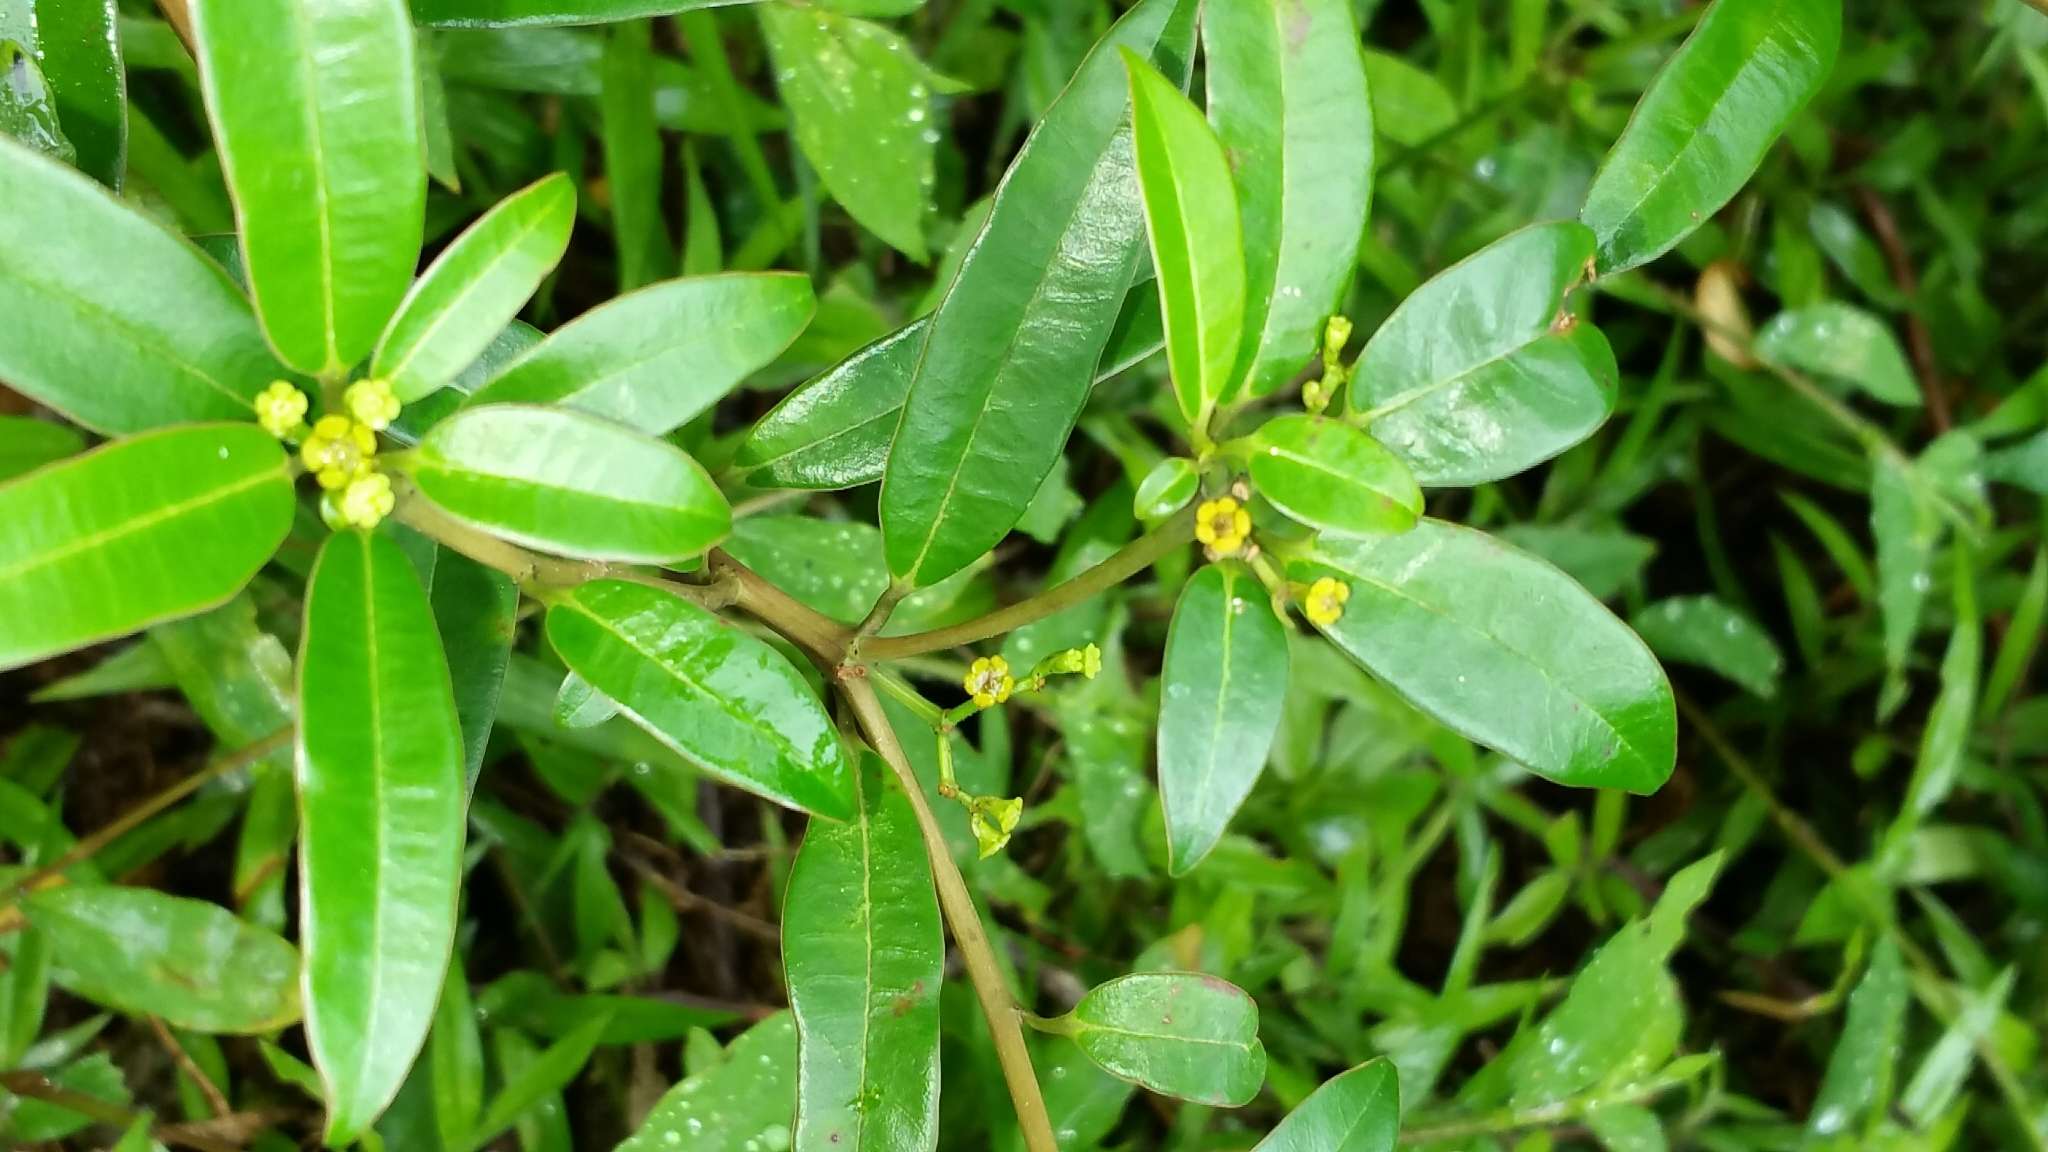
(448, 467)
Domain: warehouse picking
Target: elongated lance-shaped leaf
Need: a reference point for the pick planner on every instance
(1330, 475)
(135, 533)
(721, 1108)
(525, 13)
(1860, 1070)
(1221, 690)
(1359, 1111)
(169, 340)
(380, 813)
(1006, 366)
(79, 44)
(475, 287)
(1706, 122)
(1287, 93)
(1180, 1034)
(315, 110)
(865, 957)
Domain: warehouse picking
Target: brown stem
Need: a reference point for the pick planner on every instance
(810, 630)
(215, 1102)
(35, 1086)
(1918, 339)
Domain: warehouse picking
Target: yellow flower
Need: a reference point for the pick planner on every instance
(372, 403)
(338, 451)
(281, 409)
(1222, 525)
(367, 501)
(993, 820)
(1326, 600)
(1091, 662)
(989, 681)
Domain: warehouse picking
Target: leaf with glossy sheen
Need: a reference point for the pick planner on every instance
(315, 110)
(169, 340)
(725, 700)
(1197, 242)
(80, 50)
(507, 13)
(28, 108)
(1332, 476)
(1287, 93)
(865, 958)
(1704, 631)
(1844, 343)
(1864, 1056)
(190, 963)
(1180, 1034)
(1221, 689)
(380, 763)
(135, 533)
(475, 287)
(1706, 122)
(1013, 345)
(564, 482)
(1506, 650)
(1359, 1111)
(749, 1093)
(861, 105)
(654, 358)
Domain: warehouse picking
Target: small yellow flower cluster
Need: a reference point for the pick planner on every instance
(366, 501)
(1223, 526)
(1325, 602)
(372, 403)
(993, 819)
(1085, 662)
(989, 681)
(338, 451)
(281, 410)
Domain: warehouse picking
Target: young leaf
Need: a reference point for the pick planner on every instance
(187, 962)
(135, 533)
(1197, 242)
(1443, 615)
(865, 958)
(748, 1093)
(80, 49)
(725, 700)
(1287, 93)
(523, 13)
(1480, 373)
(655, 358)
(380, 843)
(564, 482)
(1180, 1034)
(1859, 1073)
(1359, 1111)
(475, 287)
(315, 110)
(1706, 122)
(168, 340)
(1704, 631)
(1332, 476)
(1845, 343)
(1008, 361)
(1220, 694)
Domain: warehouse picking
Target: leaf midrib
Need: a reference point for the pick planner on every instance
(155, 516)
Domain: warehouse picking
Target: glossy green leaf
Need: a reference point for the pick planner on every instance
(1166, 489)
(1843, 343)
(27, 443)
(28, 108)
(865, 959)
(1605, 560)
(135, 533)
(1331, 476)
(861, 105)
(1706, 122)
(655, 358)
(1220, 694)
(189, 963)
(715, 694)
(1287, 93)
(1480, 373)
(315, 110)
(1180, 1034)
(749, 1095)
(1007, 364)
(380, 843)
(1197, 242)
(1859, 1073)
(168, 340)
(569, 483)
(1907, 526)
(1705, 631)
(1359, 1111)
(475, 287)
(81, 57)
(1444, 615)
(507, 13)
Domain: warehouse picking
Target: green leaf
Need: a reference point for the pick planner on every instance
(381, 801)
(861, 105)
(1180, 1034)
(1480, 373)
(28, 108)
(28, 443)
(187, 962)
(168, 340)
(1706, 122)
(1221, 690)
(80, 50)
(508, 13)
(135, 533)
(748, 1096)
(1843, 343)
(455, 1058)
(565, 482)
(1359, 1111)
(1287, 93)
(1197, 243)
(633, 159)
(865, 958)
(315, 111)
(547, 1075)
(1167, 489)
(1704, 631)
(1605, 560)
(1007, 364)
(475, 287)
(1332, 476)
(1859, 1072)
(1443, 615)
(1906, 525)
(725, 700)
(476, 611)
(655, 358)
